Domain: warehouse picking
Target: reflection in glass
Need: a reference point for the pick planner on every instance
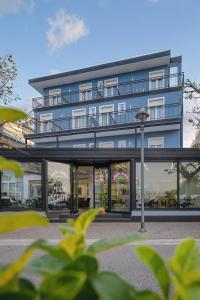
(189, 185)
(120, 187)
(160, 184)
(22, 192)
(101, 187)
(58, 186)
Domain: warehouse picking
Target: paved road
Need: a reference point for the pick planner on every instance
(163, 236)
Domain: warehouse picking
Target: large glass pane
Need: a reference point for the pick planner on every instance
(101, 187)
(85, 187)
(189, 185)
(160, 185)
(59, 187)
(22, 192)
(120, 187)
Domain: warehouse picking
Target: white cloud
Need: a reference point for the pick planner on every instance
(65, 29)
(15, 6)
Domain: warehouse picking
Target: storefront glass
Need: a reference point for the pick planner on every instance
(59, 186)
(101, 187)
(189, 185)
(160, 185)
(120, 186)
(22, 192)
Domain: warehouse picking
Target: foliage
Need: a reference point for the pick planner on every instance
(8, 73)
(102, 199)
(192, 93)
(70, 269)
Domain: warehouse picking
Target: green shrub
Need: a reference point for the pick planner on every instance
(70, 269)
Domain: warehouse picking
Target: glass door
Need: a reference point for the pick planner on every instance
(59, 186)
(120, 187)
(101, 187)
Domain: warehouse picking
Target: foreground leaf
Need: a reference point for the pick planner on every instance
(73, 244)
(61, 286)
(11, 114)
(85, 263)
(186, 257)
(147, 295)
(111, 242)
(11, 165)
(12, 222)
(155, 263)
(109, 286)
(85, 219)
(19, 288)
(15, 268)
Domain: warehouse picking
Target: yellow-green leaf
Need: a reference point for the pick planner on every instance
(13, 269)
(111, 242)
(11, 114)
(85, 219)
(15, 221)
(73, 244)
(155, 263)
(11, 165)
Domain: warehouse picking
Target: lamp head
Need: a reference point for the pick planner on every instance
(142, 115)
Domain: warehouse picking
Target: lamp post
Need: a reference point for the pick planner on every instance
(142, 115)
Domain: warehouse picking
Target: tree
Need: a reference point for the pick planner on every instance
(8, 73)
(192, 93)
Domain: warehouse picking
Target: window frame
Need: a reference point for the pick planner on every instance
(101, 143)
(73, 117)
(82, 88)
(156, 106)
(43, 121)
(150, 79)
(54, 97)
(107, 85)
(154, 138)
(100, 114)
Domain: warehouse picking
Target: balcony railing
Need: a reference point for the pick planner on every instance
(102, 92)
(106, 119)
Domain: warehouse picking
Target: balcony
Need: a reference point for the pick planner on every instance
(105, 92)
(108, 119)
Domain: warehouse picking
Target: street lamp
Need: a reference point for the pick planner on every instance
(142, 115)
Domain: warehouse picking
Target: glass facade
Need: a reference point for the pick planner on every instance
(189, 185)
(120, 186)
(101, 187)
(59, 186)
(160, 185)
(168, 185)
(24, 191)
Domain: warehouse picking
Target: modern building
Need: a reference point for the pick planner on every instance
(96, 106)
(12, 135)
(87, 143)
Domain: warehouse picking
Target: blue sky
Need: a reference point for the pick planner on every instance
(49, 36)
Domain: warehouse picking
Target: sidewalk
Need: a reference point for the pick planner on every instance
(155, 230)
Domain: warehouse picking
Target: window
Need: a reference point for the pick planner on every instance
(110, 87)
(160, 185)
(122, 144)
(120, 186)
(54, 97)
(85, 91)
(79, 146)
(121, 108)
(46, 122)
(156, 108)
(157, 142)
(106, 115)
(156, 80)
(79, 118)
(189, 184)
(91, 145)
(106, 145)
(24, 191)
